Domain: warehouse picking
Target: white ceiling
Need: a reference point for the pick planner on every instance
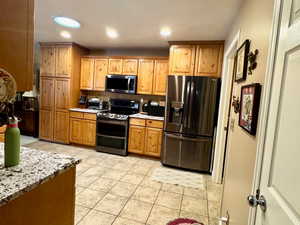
(137, 21)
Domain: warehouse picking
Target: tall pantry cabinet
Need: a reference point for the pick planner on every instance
(59, 88)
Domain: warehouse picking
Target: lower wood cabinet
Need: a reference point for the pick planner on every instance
(2, 133)
(61, 127)
(46, 125)
(83, 128)
(145, 137)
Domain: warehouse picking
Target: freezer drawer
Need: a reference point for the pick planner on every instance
(187, 152)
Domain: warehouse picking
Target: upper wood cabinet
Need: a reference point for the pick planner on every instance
(63, 61)
(16, 41)
(47, 61)
(130, 67)
(199, 58)
(62, 94)
(182, 59)
(209, 60)
(161, 71)
(87, 74)
(115, 66)
(101, 67)
(46, 93)
(145, 76)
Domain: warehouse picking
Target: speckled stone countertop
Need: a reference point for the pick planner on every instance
(146, 117)
(35, 168)
(84, 110)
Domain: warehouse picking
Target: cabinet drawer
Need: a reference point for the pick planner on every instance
(76, 115)
(138, 122)
(155, 123)
(89, 116)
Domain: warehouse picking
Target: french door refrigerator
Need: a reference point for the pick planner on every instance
(190, 120)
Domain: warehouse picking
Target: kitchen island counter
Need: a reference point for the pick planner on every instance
(36, 167)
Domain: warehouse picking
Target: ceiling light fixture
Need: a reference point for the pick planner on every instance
(165, 31)
(66, 22)
(65, 34)
(112, 33)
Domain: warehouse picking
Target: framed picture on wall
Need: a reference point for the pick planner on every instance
(250, 100)
(241, 61)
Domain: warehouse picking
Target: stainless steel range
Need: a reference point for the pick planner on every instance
(112, 126)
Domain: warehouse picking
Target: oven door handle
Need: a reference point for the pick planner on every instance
(118, 122)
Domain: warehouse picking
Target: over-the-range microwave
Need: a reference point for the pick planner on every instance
(121, 84)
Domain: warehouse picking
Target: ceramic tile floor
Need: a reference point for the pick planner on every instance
(116, 190)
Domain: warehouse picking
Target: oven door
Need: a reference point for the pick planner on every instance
(111, 136)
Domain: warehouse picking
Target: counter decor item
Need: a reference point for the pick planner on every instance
(241, 61)
(12, 143)
(249, 107)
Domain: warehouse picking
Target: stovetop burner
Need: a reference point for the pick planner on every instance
(108, 115)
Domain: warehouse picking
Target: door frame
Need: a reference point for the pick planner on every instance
(264, 107)
(224, 107)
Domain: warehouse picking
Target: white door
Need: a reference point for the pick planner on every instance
(280, 181)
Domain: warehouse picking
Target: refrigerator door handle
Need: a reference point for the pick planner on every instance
(191, 102)
(179, 137)
(186, 105)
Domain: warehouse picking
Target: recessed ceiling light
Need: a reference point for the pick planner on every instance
(112, 33)
(65, 34)
(66, 22)
(165, 31)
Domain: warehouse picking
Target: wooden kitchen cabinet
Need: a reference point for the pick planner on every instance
(47, 61)
(182, 59)
(62, 94)
(161, 71)
(83, 128)
(130, 66)
(46, 93)
(136, 141)
(145, 76)
(209, 60)
(2, 133)
(63, 61)
(59, 88)
(46, 125)
(153, 141)
(115, 66)
(87, 74)
(145, 137)
(16, 41)
(61, 127)
(101, 68)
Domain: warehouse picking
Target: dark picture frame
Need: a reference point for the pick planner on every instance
(249, 107)
(241, 61)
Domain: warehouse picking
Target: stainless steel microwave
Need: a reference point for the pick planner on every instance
(121, 84)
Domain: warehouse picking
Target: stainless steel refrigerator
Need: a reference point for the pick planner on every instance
(190, 121)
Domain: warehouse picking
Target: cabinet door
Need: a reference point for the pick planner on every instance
(145, 76)
(182, 59)
(62, 94)
(46, 125)
(76, 131)
(209, 60)
(63, 61)
(89, 132)
(161, 71)
(136, 142)
(47, 67)
(101, 66)
(46, 93)
(153, 141)
(61, 127)
(87, 74)
(16, 41)
(115, 66)
(130, 66)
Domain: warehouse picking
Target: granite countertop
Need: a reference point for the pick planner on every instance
(84, 110)
(147, 117)
(35, 168)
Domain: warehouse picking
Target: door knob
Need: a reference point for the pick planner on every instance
(260, 200)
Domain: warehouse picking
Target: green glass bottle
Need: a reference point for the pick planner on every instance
(12, 143)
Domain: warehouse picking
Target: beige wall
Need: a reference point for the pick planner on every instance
(254, 23)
